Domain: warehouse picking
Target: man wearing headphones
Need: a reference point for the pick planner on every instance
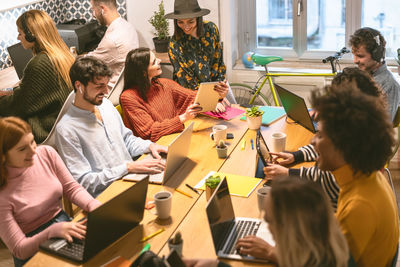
(368, 48)
(119, 39)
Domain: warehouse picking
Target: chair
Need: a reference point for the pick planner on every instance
(50, 139)
(116, 91)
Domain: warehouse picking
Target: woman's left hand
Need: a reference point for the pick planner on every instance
(222, 88)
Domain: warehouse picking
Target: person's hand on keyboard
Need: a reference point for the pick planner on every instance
(68, 230)
(147, 165)
(156, 149)
(256, 247)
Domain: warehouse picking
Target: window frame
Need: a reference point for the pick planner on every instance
(247, 40)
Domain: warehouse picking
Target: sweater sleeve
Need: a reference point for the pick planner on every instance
(21, 246)
(325, 179)
(37, 89)
(71, 188)
(183, 97)
(305, 154)
(140, 118)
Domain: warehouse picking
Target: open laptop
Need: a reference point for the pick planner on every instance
(226, 229)
(295, 108)
(19, 57)
(262, 149)
(105, 225)
(178, 151)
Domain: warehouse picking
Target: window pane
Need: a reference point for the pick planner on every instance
(326, 24)
(383, 17)
(274, 23)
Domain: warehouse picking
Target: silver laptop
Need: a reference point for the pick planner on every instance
(226, 229)
(178, 151)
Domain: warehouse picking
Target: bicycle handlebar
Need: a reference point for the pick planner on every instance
(336, 56)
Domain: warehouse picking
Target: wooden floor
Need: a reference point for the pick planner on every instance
(7, 261)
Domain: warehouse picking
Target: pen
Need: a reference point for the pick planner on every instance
(152, 235)
(252, 144)
(145, 248)
(183, 193)
(193, 189)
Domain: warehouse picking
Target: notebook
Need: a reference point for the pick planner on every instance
(19, 57)
(229, 114)
(239, 185)
(178, 151)
(105, 225)
(295, 108)
(226, 229)
(262, 149)
(270, 115)
(207, 97)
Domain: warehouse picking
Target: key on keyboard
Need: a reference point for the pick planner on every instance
(242, 229)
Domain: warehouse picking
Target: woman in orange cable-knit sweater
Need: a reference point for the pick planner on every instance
(152, 106)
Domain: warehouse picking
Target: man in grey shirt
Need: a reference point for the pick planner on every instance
(91, 137)
(368, 48)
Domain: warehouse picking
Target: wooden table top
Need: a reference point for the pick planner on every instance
(194, 228)
(202, 158)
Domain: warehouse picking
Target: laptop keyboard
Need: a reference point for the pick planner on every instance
(74, 250)
(241, 229)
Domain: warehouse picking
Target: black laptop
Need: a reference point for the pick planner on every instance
(295, 108)
(19, 57)
(105, 225)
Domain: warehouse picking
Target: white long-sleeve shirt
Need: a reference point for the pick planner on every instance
(96, 152)
(120, 38)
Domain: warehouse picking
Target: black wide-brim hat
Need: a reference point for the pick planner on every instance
(186, 9)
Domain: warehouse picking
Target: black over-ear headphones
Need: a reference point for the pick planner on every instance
(30, 37)
(378, 53)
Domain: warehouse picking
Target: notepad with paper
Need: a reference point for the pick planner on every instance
(238, 185)
(229, 114)
(271, 114)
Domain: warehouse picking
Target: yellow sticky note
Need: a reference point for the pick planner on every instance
(243, 146)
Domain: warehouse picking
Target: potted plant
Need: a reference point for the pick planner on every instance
(397, 58)
(211, 183)
(176, 243)
(160, 24)
(222, 149)
(254, 117)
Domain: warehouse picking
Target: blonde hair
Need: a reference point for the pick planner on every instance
(48, 40)
(305, 230)
(11, 131)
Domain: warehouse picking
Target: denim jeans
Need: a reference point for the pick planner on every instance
(60, 217)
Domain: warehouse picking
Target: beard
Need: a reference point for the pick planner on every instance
(93, 100)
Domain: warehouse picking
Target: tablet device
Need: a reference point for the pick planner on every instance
(207, 97)
(174, 260)
(262, 149)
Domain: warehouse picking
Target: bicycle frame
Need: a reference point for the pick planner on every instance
(268, 76)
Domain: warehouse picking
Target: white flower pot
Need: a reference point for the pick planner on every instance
(254, 123)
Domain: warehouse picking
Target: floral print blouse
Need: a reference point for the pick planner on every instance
(197, 60)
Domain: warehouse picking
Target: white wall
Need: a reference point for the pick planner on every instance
(139, 12)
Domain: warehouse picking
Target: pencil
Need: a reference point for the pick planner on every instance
(243, 144)
(193, 189)
(152, 235)
(183, 193)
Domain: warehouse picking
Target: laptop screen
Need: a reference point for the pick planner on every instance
(295, 108)
(19, 57)
(220, 214)
(115, 218)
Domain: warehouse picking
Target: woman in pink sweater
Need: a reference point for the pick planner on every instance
(32, 183)
(153, 106)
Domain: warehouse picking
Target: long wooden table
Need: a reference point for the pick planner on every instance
(188, 214)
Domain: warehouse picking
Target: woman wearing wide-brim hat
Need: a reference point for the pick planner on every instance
(195, 49)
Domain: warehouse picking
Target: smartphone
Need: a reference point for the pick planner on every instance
(229, 136)
(174, 259)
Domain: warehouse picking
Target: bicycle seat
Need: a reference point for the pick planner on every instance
(264, 60)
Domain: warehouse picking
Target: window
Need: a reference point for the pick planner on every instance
(312, 29)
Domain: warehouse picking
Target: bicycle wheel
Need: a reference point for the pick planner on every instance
(243, 94)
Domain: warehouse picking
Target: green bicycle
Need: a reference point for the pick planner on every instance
(247, 96)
